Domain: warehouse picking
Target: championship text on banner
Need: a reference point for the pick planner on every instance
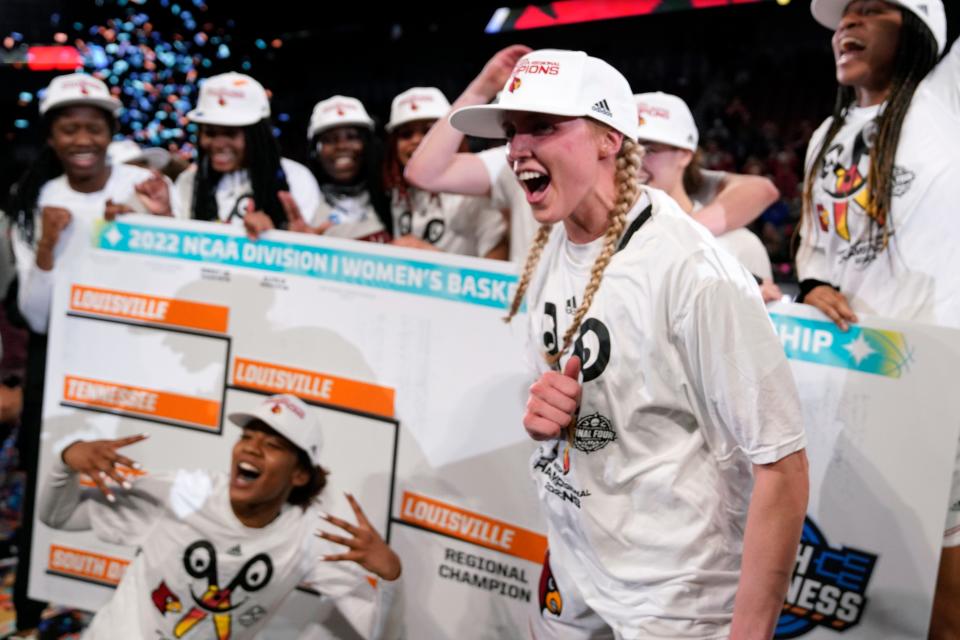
(420, 389)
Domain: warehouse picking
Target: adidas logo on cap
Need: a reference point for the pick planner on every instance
(603, 108)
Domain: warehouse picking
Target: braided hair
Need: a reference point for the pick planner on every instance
(629, 161)
(916, 55)
(262, 155)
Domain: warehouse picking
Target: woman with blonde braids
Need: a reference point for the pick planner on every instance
(672, 467)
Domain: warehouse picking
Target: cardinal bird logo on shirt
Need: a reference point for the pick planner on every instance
(550, 599)
(200, 562)
(165, 600)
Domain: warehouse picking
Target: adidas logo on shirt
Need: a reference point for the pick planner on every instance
(603, 108)
(234, 551)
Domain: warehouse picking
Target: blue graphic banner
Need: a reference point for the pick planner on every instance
(446, 282)
(874, 351)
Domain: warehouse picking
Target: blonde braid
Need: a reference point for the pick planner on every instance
(529, 266)
(629, 160)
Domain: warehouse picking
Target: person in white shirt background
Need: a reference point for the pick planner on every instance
(675, 503)
(669, 136)
(345, 158)
(64, 192)
(468, 225)
(879, 233)
(239, 177)
(229, 547)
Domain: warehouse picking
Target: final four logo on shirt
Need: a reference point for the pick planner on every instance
(828, 588)
(593, 433)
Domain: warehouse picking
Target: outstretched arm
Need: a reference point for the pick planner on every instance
(437, 165)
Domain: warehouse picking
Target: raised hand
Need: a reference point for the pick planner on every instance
(295, 221)
(495, 73)
(99, 459)
(154, 193)
(365, 545)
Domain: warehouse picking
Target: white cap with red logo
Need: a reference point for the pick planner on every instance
(931, 12)
(78, 89)
(666, 119)
(290, 417)
(231, 100)
(419, 103)
(122, 151)
(336, 112)
(560, 83)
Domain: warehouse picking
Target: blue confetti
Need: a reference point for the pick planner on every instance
(260, 43)
(26, 96)
(21, 123)
(284, 117)
(223, 52)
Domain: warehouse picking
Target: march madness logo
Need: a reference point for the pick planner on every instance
(828, 588)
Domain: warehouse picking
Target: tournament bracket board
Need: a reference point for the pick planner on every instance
(164, 327)
(882, 422)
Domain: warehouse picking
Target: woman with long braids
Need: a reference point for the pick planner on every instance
(672, 468)
(239, 177)
(468, 225)
(346, 159)
(880, 234)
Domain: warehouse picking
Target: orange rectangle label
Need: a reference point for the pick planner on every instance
(86, 565)
(473, 527)
(136, 306)
(311, 385)
(144, 402)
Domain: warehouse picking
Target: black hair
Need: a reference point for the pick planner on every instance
(370, 175)
(305, 494)
(22, 208)
(916, 55)
(262, 154)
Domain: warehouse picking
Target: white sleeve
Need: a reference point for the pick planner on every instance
(374, 612)
(183, 193)
(65, 505)
(303, 188)
(476, 217)
(495, 161)
(944, 79)
(35, 290)
(743, 384)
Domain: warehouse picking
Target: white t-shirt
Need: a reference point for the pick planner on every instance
(914, 277)
(235, 191)
(353, 217)
(506, 193)
(685, 387)
(467, 225)
(36, 285)
(195, 552)
(741, 243)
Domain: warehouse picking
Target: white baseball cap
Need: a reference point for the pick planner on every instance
(78, 89)
(666, 119)
(419, 103)
(121, 151)
(290, 417)
(931, 12)
(231, 100)
(335, 112)
(556, 82)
